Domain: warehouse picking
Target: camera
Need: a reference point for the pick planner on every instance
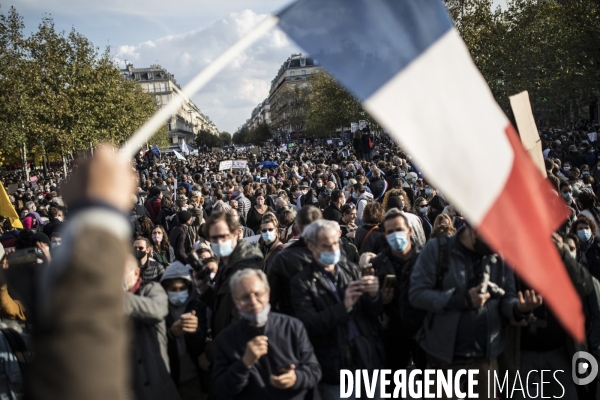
(198, 265)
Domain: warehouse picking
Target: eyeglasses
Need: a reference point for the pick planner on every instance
(244, 301)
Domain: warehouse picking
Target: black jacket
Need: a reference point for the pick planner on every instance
(332, 213)
(52, 226)
(378, 188)
(288, 344)
(194, 342)
(285, 266)
(310, 198)
(180, 243)
(245, 255)
(366, 243)
(328, 323)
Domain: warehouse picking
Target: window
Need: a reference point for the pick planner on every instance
(292, 73)
(151, 88)
(165, 99)
(137, 76)
(163, 87)
(303, 72)
(158, 100)
(150, 76)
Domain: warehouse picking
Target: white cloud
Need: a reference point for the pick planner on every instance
(229, 99)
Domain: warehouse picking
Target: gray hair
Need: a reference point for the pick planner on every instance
(30, 205)
(311, 232)
(245, 274)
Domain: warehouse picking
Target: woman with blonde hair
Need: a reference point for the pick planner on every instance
(442, 226)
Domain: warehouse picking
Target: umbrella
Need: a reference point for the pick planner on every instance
(268, 164)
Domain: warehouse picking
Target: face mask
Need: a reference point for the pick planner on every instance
(567, 168)
(40, 197)
(329, 257)
(346, 181)
(414, 180)
(584, 235)
(319, 185)
(54, 245)
(397, 241)
(222, 249)
(354, 196)
(60, 219)
(178, 298)
(139, 254)
(427, 191)
(423, 210)
(584, 173)
(567, 195)
(402, 174)
(268, 236)
(259, 319)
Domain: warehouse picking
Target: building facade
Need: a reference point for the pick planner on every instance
(188, 120)
(260, 114)
(288, 95)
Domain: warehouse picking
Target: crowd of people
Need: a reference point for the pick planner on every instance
(265, 282)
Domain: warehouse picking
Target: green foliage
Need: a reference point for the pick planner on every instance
(205, 137)
(332, 107)
(260, 134)
(241, 135)
(547, 48)
(60, 94)
(225, 138)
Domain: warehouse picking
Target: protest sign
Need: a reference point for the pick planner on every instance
(239, 164)
(33, 179)
(225, 165)
(593, 136)
(12, 188)
(252, 239)
(254, 150)
(527, 129)
(362, 124)
(353, 127)
(340, 143)
(329, 142)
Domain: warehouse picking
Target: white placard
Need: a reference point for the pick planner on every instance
(252, 239)
(340, 143)
(353, 127)
(224, 165)
(329, 141)
(362, 124)
(239, 164)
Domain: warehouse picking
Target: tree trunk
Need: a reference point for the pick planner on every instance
(24, 161)
(64, 160)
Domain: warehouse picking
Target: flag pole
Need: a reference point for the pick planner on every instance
(158, 119)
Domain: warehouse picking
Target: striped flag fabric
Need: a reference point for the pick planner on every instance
(413, 73)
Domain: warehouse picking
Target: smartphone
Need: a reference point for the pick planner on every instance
(22, 257)
(389, 281)
(368, 271)
(282, 370)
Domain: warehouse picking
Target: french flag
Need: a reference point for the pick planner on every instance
(408, 65)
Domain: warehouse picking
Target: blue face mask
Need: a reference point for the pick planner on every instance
(329, 257)
(567, 195)
(222, 249)
(414, 180)
(423, 210)
(354, 196)
(584, 235)
(397, 241)
(427, 191)
(268, 236)
(178, 298)
(345, 182)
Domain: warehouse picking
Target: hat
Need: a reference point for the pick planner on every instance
(184, 216)
(303, 184)
(557, 142)
(39, 237)
(177, 270)
(572, 148)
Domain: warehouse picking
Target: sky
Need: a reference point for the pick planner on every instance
(182, 36)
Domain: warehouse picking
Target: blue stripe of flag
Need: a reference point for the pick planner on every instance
(364, 43)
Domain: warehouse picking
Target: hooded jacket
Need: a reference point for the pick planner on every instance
(363, 199)
(185, 350)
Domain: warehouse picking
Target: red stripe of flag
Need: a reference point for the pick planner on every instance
(520, 226)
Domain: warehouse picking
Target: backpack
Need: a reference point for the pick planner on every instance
(412, 318)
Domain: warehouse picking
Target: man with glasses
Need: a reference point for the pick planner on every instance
(265, 354)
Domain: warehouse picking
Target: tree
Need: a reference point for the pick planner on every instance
(332, 107)
(547, 48)
(60, 94)
(261, 133)
(290, 108)
(225, 138)
(208, 139)
(241, 135)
